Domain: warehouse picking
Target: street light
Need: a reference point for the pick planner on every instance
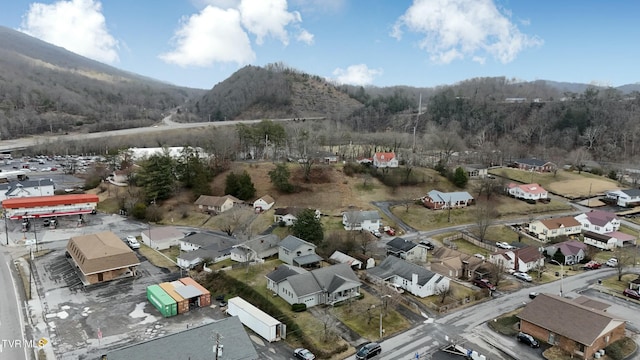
(381, 308)
(561, 274)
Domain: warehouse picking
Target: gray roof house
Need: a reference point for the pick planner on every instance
(195, 343)
(406, 249)
(199, 246)
(327, 285)
(574, 251)
(413, 278)
(444, 200)
(27, 188)
(361, 220)
(297, 252)
(256, 249)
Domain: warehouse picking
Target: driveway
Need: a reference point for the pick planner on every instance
(384, 207)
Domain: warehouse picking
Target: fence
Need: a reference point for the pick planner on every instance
(448, 241)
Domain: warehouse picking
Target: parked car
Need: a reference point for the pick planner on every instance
(427, 244)
(304, 354)
(479, 256)
(389, 230)
(592, 265)
(613, 262)
(46, 222)
(533, 295)
(133, 242)
(631, 293)
(376, 233)
(367, 351)
(522, 276)
(528, 340)
(484, 283)
(504, 245)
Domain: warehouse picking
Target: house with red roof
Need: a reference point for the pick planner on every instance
(385, 160)
(527, 191)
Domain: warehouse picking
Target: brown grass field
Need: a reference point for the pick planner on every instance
(565, 183)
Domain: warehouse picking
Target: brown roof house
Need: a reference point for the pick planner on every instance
(263, 204)
(454, 264)
(216, 204)
(551, 228)
(161, 237)
(581, 328)
(102, 257)
(524, 259)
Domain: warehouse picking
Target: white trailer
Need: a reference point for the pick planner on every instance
(257, 320)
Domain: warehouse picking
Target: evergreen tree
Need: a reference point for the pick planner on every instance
(460, 178)
(308, 227)
(157, 177)
(240, 186)
(280, 178)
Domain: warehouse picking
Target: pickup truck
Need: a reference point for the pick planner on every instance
(592, 265)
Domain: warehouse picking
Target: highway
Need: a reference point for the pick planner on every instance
(166, 125)
(11, 312)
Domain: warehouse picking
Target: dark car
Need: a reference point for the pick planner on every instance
(484, 283)
(528, 340)
(427, 244)
(533, 295)
(303, 354)
(631, 293)
(367, 351)
(46, 222)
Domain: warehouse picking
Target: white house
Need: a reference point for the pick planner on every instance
(550, 228)
(289, 215)
(161, 237)
(385, 160)
(295, 251)
(327, 285)
(407, 249)
(525, 259)
(624, 198)
(27, 188)
(574, 251)
(256, 249)
(411, 277)
(527, 191)
(608, 241)
(476, 171)
(361, 220)
(599, 221)
(200, 246)
(263, 204)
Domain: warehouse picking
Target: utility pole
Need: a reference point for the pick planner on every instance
(6, 229)
(217, 347)
(449, 211)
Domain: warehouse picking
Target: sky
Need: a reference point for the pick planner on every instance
(420, 43)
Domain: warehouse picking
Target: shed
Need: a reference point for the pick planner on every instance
(162, 301)
(205, 295)
(257, 320)
(182, 302)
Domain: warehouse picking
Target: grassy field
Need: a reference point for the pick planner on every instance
(157, 258)
(566, 183)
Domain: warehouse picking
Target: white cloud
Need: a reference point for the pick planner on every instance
(356, 75)
(267, 17)
(322, 6)
(455, 29)
(212, 35)
(76, 25)
(223, 4)
(305, 37)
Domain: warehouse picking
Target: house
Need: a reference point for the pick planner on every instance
(385, 160)
(624, 198)
(256, 249)
(576, 328)
(455, 264)
(411, 277)
(599, 221)
(216, 204)
(361, 220)
(531, 164)
(297, 252)
(520, 259)
(327, 285)
(437, 200)
(161, 237)
(407, 250)
(26, 188)
(101, 257)
(235, 344)
(263, 204)
(608, 241)
(200, 246)
(551, 228)
(120, 176)
(572, 250)
(289, 215)
(341, 258)
(527, 191)
(476, 171)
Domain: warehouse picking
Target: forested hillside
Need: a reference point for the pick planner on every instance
(47, 89)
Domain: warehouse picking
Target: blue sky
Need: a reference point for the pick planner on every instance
(422, 43)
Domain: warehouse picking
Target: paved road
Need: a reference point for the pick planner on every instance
(167, 124)
(11, 322)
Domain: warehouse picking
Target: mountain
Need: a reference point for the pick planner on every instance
(47, 89)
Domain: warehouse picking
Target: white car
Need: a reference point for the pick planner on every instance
(523, 276)
(133, 242)
(613, 262)
(504, 245)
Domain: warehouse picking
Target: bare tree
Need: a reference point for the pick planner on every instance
(234, 220)
(485, 216)
(443, 291)
(329, 323)
(497, 271)
(625, 259)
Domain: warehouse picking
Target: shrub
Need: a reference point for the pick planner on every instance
(139, 211)
(299, 307)
(614, 351)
